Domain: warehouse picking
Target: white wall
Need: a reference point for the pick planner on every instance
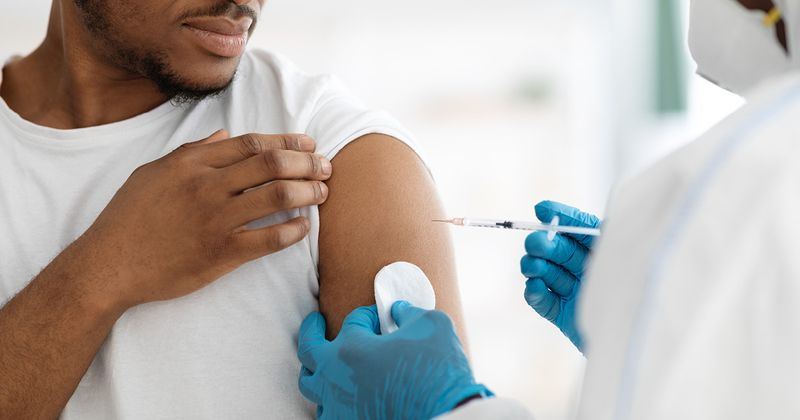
(513, 102)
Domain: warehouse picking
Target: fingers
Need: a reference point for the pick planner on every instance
(556, 279)
(362, 320)
(311, 340)
(310, 387)
(216, 136)
(404, 312)
(542, 299)
(227, 152)
(275, 164)
(562, 250)
(568, 216)
(248, 245)
(275, 197)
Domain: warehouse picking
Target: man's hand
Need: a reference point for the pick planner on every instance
(178, 223)
(417, 372)
(555, 268)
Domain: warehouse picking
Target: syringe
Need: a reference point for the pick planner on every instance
(552, 228)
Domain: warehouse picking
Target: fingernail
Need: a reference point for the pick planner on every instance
(324, 189)
(327, 168)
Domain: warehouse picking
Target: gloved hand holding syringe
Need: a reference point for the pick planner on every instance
(552, 228)
(554, 265)
(371, 356)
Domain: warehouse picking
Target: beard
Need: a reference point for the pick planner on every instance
(150, 64)
(153, 66)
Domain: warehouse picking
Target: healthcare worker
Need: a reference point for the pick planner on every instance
(691, 309)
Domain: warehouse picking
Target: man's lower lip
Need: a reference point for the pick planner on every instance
(219, 44)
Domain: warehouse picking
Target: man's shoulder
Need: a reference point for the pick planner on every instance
(269, 84)
(5, 59)
(262, 71)
(265, 62)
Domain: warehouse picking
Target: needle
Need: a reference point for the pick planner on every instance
(553, 227)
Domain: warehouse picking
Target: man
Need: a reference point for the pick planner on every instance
(151, 269)
(691, 306)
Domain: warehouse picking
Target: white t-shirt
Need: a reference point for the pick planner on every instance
(228, 350)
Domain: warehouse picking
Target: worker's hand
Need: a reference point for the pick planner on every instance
(555, 268)
(417, 372)
(179, 223)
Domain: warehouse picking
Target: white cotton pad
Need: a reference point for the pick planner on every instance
(401, 281)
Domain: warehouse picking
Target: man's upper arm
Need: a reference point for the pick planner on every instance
(379, 211)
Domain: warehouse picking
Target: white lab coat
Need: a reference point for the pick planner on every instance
(489, 408)
(691, 309)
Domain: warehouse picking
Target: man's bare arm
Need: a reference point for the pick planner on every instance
(49, 334)
(379, 211)
(176, 225)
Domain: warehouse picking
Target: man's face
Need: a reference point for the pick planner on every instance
(189, 48)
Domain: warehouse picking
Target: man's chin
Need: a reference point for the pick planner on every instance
(190, 96)
(192, 87)
(183, 91)
(187, 79)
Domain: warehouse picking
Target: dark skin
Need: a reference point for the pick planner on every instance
(72, 80)
(177, 224)
(50, 331)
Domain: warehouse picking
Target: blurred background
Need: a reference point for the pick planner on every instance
(514, 101)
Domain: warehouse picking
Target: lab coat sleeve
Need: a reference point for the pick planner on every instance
(489, 408)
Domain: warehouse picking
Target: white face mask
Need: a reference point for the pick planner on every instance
(734, 49)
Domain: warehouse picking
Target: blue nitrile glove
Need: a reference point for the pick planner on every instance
(555, 268)
(416, 372)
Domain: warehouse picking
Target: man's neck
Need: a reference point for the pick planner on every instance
(65, 84)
